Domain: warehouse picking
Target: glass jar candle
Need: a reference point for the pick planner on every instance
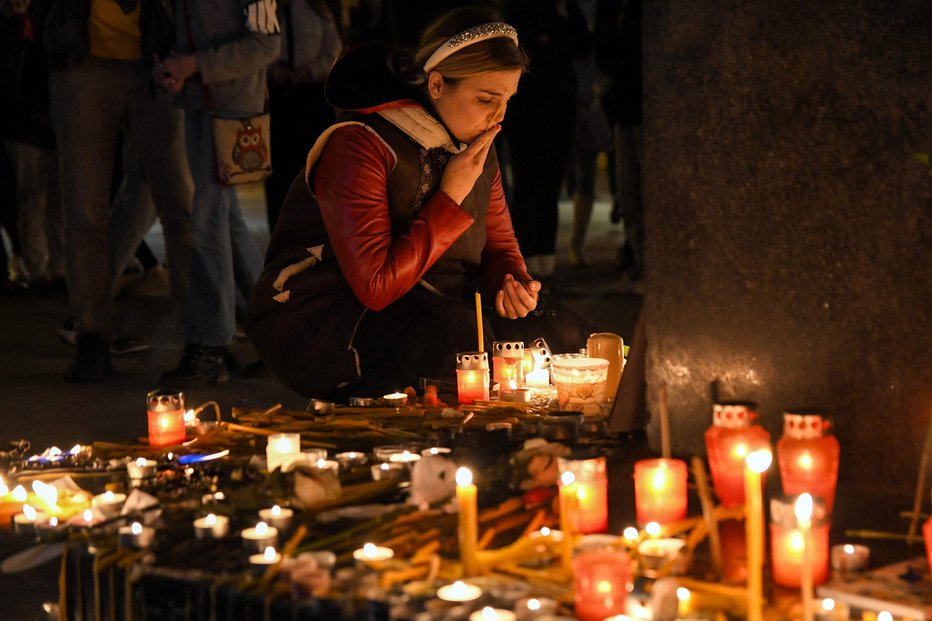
(508, 364)
(580, 382)
(591, 492)
(732, 436)
(808, 457)
(787, 540)
(660, 490)
(166, 417)
(472, 377)
(611, 347)
(601, 579)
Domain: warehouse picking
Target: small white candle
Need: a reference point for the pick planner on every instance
(459, 592)
(25, 523)
(548, 533)
(279, 517)
(492, 614)
(268, 557)
(48, 529)
(136, 535)
(435, 451)
(351, 458)
(260, 536)
(281, 448)
(539, 378)
(849, 557)
(87, 518)
(404, 457)
(109, 503)
(516, 395)
(142, 468)
(371, 553)
(385, 471)
(395, 399)
(212, 526)
(19, 494)
(534, 606)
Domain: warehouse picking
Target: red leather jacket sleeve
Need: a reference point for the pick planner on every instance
(351, 185)
(501, 254)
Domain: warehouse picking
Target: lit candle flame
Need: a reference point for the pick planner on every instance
(269, 554)
(19, 493)
(567, 478)
(683, 595)
(321, 463)
(463, 477)
(189, 417)
(54, 453)
(262, 529)
(884, 615)
(545, 531)
(805, 460)
(848, 548)
(489, 614)
(803, 509)
(108, 497)
(652, 529)
(210, 520)
(828, 604)
(603, 586)
(368, 550)
(29, 512)
(136, 528)
(53, 522)
(740, 451)
(276, 511)
(88, 516)
(659, 480)
(141, 462)
(759, 461)
(533, 604)
(47, 493)
(75, 449)
(630, 533)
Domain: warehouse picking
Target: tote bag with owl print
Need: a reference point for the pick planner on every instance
(242, 148)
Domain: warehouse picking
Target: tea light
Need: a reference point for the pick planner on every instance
(307, 458)
(260, 536)
(48, 529)
(25, 523)
(436, 450)
(109, 503)
(142, 468)
(268, 557)
(655, 553)
(516, 395)
(395, 399)
(533, 606)
(548, 533)
(166, 417)
(404, 457)
(136, 535)
(371, 553)
(350, 459)
(277, 516)
(385, 451)
(850, 557)
(88, 518)
(492, 614)
(212, 526)
(329, 465)
(459, 592)
(281, 448)
(387, 471)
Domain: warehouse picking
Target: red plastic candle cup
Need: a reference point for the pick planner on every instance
(166, 417)
(786, 544)
(601, 583)
(660, 490)
(808, 457)
(729, 440)
(472, 377)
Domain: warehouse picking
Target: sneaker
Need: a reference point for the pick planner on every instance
(68, 334)
(200, 365)
(122, 345)
(92, 359)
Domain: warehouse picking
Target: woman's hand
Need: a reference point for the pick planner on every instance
(172, 72)
(516, 299)
(465, 167)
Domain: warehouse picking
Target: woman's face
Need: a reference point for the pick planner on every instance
(471, 105)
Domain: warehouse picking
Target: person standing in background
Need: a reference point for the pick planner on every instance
(217, 67)
(310, 44)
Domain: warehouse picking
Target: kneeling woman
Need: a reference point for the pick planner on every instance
(398, 217)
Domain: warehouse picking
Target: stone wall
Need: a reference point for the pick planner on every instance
(788, 225)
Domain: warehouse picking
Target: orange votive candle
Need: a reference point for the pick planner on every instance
(660, 490)
(472, 377)
(508, 364)
(730, 439)
(601, 579)
(591, 493)
(808, 457)
(787, 545)
(165, 417)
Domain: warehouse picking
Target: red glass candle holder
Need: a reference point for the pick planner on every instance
(472, 377)
(508, 364)
(166, 417)
(927, 535)
(601, 583)
(591, 493)
(660, 490)
(728, 441)
(808, 457)
(786, 544)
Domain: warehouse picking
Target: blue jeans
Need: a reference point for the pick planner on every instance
(226, 261)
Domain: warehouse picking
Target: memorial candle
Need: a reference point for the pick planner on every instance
(803, 510)
(166, 417)
(756, 464)
(797, 549)
(468, 530)
(569, 502)
(281, 449)
(808, 457)
(601, 579)
(472, 377)
(729, 440)
(660, 490)
(591, 492)
(508, 364)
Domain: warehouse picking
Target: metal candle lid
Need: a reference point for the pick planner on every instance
(734, 414)
(805, 424)
(472, 361)
(508, 349)
(165, 398)
(541, 352)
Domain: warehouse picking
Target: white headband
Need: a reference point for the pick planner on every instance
(475, 34)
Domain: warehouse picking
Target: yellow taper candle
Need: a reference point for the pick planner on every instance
(568, 506)
(756, 464)
(468, 521)
(479, 320)
(803, 510)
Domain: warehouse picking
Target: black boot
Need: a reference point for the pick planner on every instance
(200, 365)
(92, 360)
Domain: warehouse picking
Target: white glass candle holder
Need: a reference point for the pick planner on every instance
(580, 382)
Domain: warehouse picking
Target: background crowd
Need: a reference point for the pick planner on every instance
(101, 138)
